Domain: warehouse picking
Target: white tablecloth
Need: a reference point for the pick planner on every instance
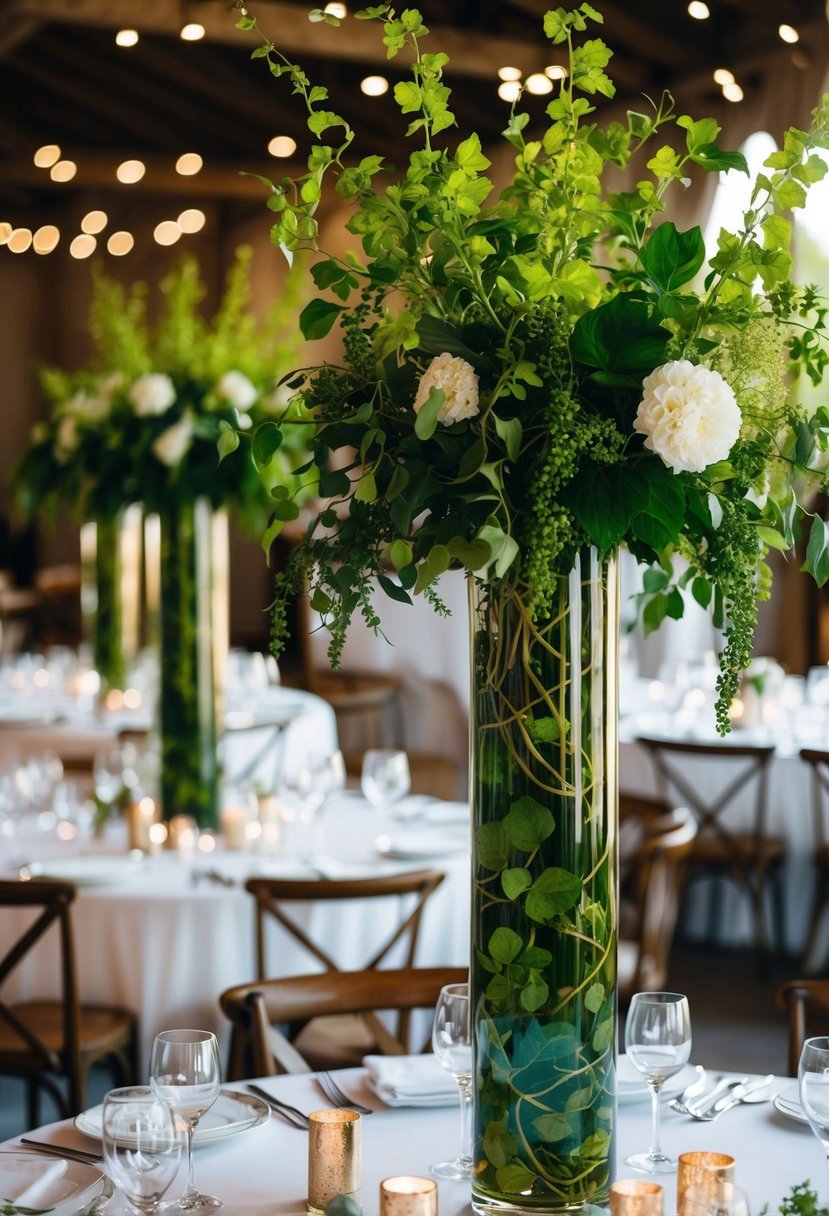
(310, 726)
(264, 1172)
(158, 944)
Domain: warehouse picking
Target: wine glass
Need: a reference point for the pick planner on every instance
(385, 776)
(141, 1145)
(308, 786)
(452, 1045)
(813, 1082)
(185, 1072)
(658, 1044)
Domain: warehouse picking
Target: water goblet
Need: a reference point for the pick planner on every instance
(813, 1082)
(452, 1045)
(185, 1072)
(658, 1044)
(308, 786)
(140, 1144)
(385, 776)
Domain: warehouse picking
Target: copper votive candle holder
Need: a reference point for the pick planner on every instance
(334, 1157)
(182, 834)
(408, 1195)
(141, 815)
(635, 1197)
(700, 1178)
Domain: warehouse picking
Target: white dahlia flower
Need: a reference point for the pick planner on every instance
(689, 415)
(460, 384)
(235, 388)
(172, 444)
(151, 394)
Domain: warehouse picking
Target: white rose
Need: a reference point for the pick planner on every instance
(460, 384)
(689, 416)
(172, 444)
(66, 439)
(237, 389)
(92, 409)
(151, 394)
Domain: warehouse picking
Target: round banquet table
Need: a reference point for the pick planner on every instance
(263, 1172)
(166, 936)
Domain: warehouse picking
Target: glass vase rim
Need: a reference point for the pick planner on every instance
(820, 1042)
(193, 1036)
(660, 998)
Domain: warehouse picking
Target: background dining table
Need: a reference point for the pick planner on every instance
(263, 1172)
(165, 935)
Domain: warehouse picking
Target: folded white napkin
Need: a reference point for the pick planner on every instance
(411, 1081)
(39, 1191)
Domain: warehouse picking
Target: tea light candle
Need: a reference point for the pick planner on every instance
(235, 820)
(700, 1178)
(334, 1157)
(635, 1197)
(182, 834)
(408, 1195)
(141, 816)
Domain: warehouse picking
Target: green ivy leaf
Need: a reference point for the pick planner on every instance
(534, 994)
(553, 1127)
(555, 890)
(528, 823)
(593, 997)
(267, 440)
(515, 1179)
(515, 882)
(493, 851)
(498, 1144)
(672, 258)
(317, 317)
(427, 418)
(817, 551)
(505, 945)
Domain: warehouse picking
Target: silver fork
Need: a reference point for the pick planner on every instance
(334, 1094)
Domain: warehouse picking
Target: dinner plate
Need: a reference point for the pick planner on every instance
(631, 1086)
(88, 871)
(31, 1183)
(423, 845)
(231, 1114)
(788, 1104)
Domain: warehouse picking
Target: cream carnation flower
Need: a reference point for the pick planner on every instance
(460, 384)
(689, 416)
(172, 444)
(237, 389)
(151, 394)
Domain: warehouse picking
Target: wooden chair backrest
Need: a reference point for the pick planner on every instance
(819, 764)
(256, 1009)
(54, 900)
(271, 894)
(710, 811)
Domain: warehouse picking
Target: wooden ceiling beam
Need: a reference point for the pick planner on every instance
(471, 53)
(97, 169)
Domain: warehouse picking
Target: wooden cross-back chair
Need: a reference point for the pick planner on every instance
(47, 1042)
(276, 899)
(256, 1010)
(751, 857)
(653, 880)
(818, 762)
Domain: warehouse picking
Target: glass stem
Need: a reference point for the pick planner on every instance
(465, 1086)
(190, 1189)
(655, 1149)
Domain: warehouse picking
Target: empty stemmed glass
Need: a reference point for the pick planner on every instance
(385, 776)
(452, 1045)
(658, 1044)
(309, 786)
(813, 1082)
(185, 1072)
(141, 1145)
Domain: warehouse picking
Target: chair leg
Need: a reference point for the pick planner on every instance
(32, 1103)
(765, 953)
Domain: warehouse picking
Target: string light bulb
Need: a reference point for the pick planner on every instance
(699, 10)
(5, 232)
(732, 92)
(374, 86)
(46, 239)
(63, 171)
(336, 9)
(192, 220)
(788, 33)
(126, 38)
(282, 145)
(20, 240)
(94, 222)
(130, 171)
(83, 246)
(120, 243)
(166, 233)
(47, 156)
(509, 90)
(193, 31)
(556, 71)
(508, 73)
(188, 164)
(539, 83)
(723, 76)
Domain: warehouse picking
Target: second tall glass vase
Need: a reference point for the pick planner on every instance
(193, 590)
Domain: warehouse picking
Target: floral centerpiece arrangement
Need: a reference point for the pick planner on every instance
(165, 416)
(533, 377)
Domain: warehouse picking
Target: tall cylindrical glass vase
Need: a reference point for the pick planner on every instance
(544, 791)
